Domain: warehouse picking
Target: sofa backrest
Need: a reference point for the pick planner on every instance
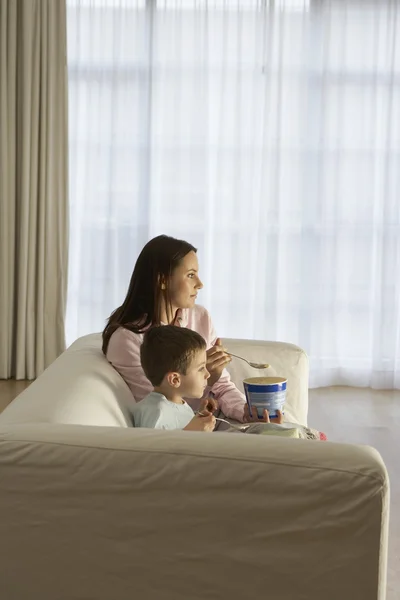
(79, 388)
(82, 388)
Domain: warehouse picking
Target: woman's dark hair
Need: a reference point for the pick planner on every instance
(142, 305)
(167, 349)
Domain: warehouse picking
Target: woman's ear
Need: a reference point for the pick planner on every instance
(161, 282)
(174, 379)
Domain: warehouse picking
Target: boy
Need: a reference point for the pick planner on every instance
(174, 361)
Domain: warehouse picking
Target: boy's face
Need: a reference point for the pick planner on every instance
(195, 380)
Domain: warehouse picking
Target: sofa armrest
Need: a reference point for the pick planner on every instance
(286, 360)
(96, 512)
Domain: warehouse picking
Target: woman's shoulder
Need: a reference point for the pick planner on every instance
(123, 341)
(123, 333)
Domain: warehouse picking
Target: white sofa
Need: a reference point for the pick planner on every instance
(114, 513)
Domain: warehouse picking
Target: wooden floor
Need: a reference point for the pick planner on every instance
(9, 388)
(352, 415)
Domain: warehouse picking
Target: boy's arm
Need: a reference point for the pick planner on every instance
(155, 417)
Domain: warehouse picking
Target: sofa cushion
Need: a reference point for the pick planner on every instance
(79, 388)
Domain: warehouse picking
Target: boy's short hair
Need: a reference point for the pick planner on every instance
(168, 348)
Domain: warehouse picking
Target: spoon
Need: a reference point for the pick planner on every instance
(241, 428)
(252, 364)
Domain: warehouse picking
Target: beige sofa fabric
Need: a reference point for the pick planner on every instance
(79, 388)
(112, 512)
(103, 513)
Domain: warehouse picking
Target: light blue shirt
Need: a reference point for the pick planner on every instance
(156, 412)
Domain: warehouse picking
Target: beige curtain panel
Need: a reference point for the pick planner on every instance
(33, 185)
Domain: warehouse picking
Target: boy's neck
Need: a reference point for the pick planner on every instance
(170, 394)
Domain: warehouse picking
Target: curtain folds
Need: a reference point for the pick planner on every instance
(33, 185)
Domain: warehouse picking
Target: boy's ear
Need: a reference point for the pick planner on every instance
(174, 379)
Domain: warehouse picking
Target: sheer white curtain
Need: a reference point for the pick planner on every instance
(266, 133)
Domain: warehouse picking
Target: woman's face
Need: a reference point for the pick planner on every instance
(185, 282)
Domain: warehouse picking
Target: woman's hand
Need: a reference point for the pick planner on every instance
(199, 423)
(249, 418)
(208, 406)
(217, 359)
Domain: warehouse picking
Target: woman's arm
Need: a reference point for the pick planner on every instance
(231, 401)
(124, 354)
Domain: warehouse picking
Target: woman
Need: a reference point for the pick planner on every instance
(163, 290)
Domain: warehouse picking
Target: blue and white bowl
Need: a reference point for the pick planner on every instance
(265, 393)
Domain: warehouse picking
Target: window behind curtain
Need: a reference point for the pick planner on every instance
(265, 133)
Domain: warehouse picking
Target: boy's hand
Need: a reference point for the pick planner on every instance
(208, 406)
(217, 359)
(199, 423)
(247, 418)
